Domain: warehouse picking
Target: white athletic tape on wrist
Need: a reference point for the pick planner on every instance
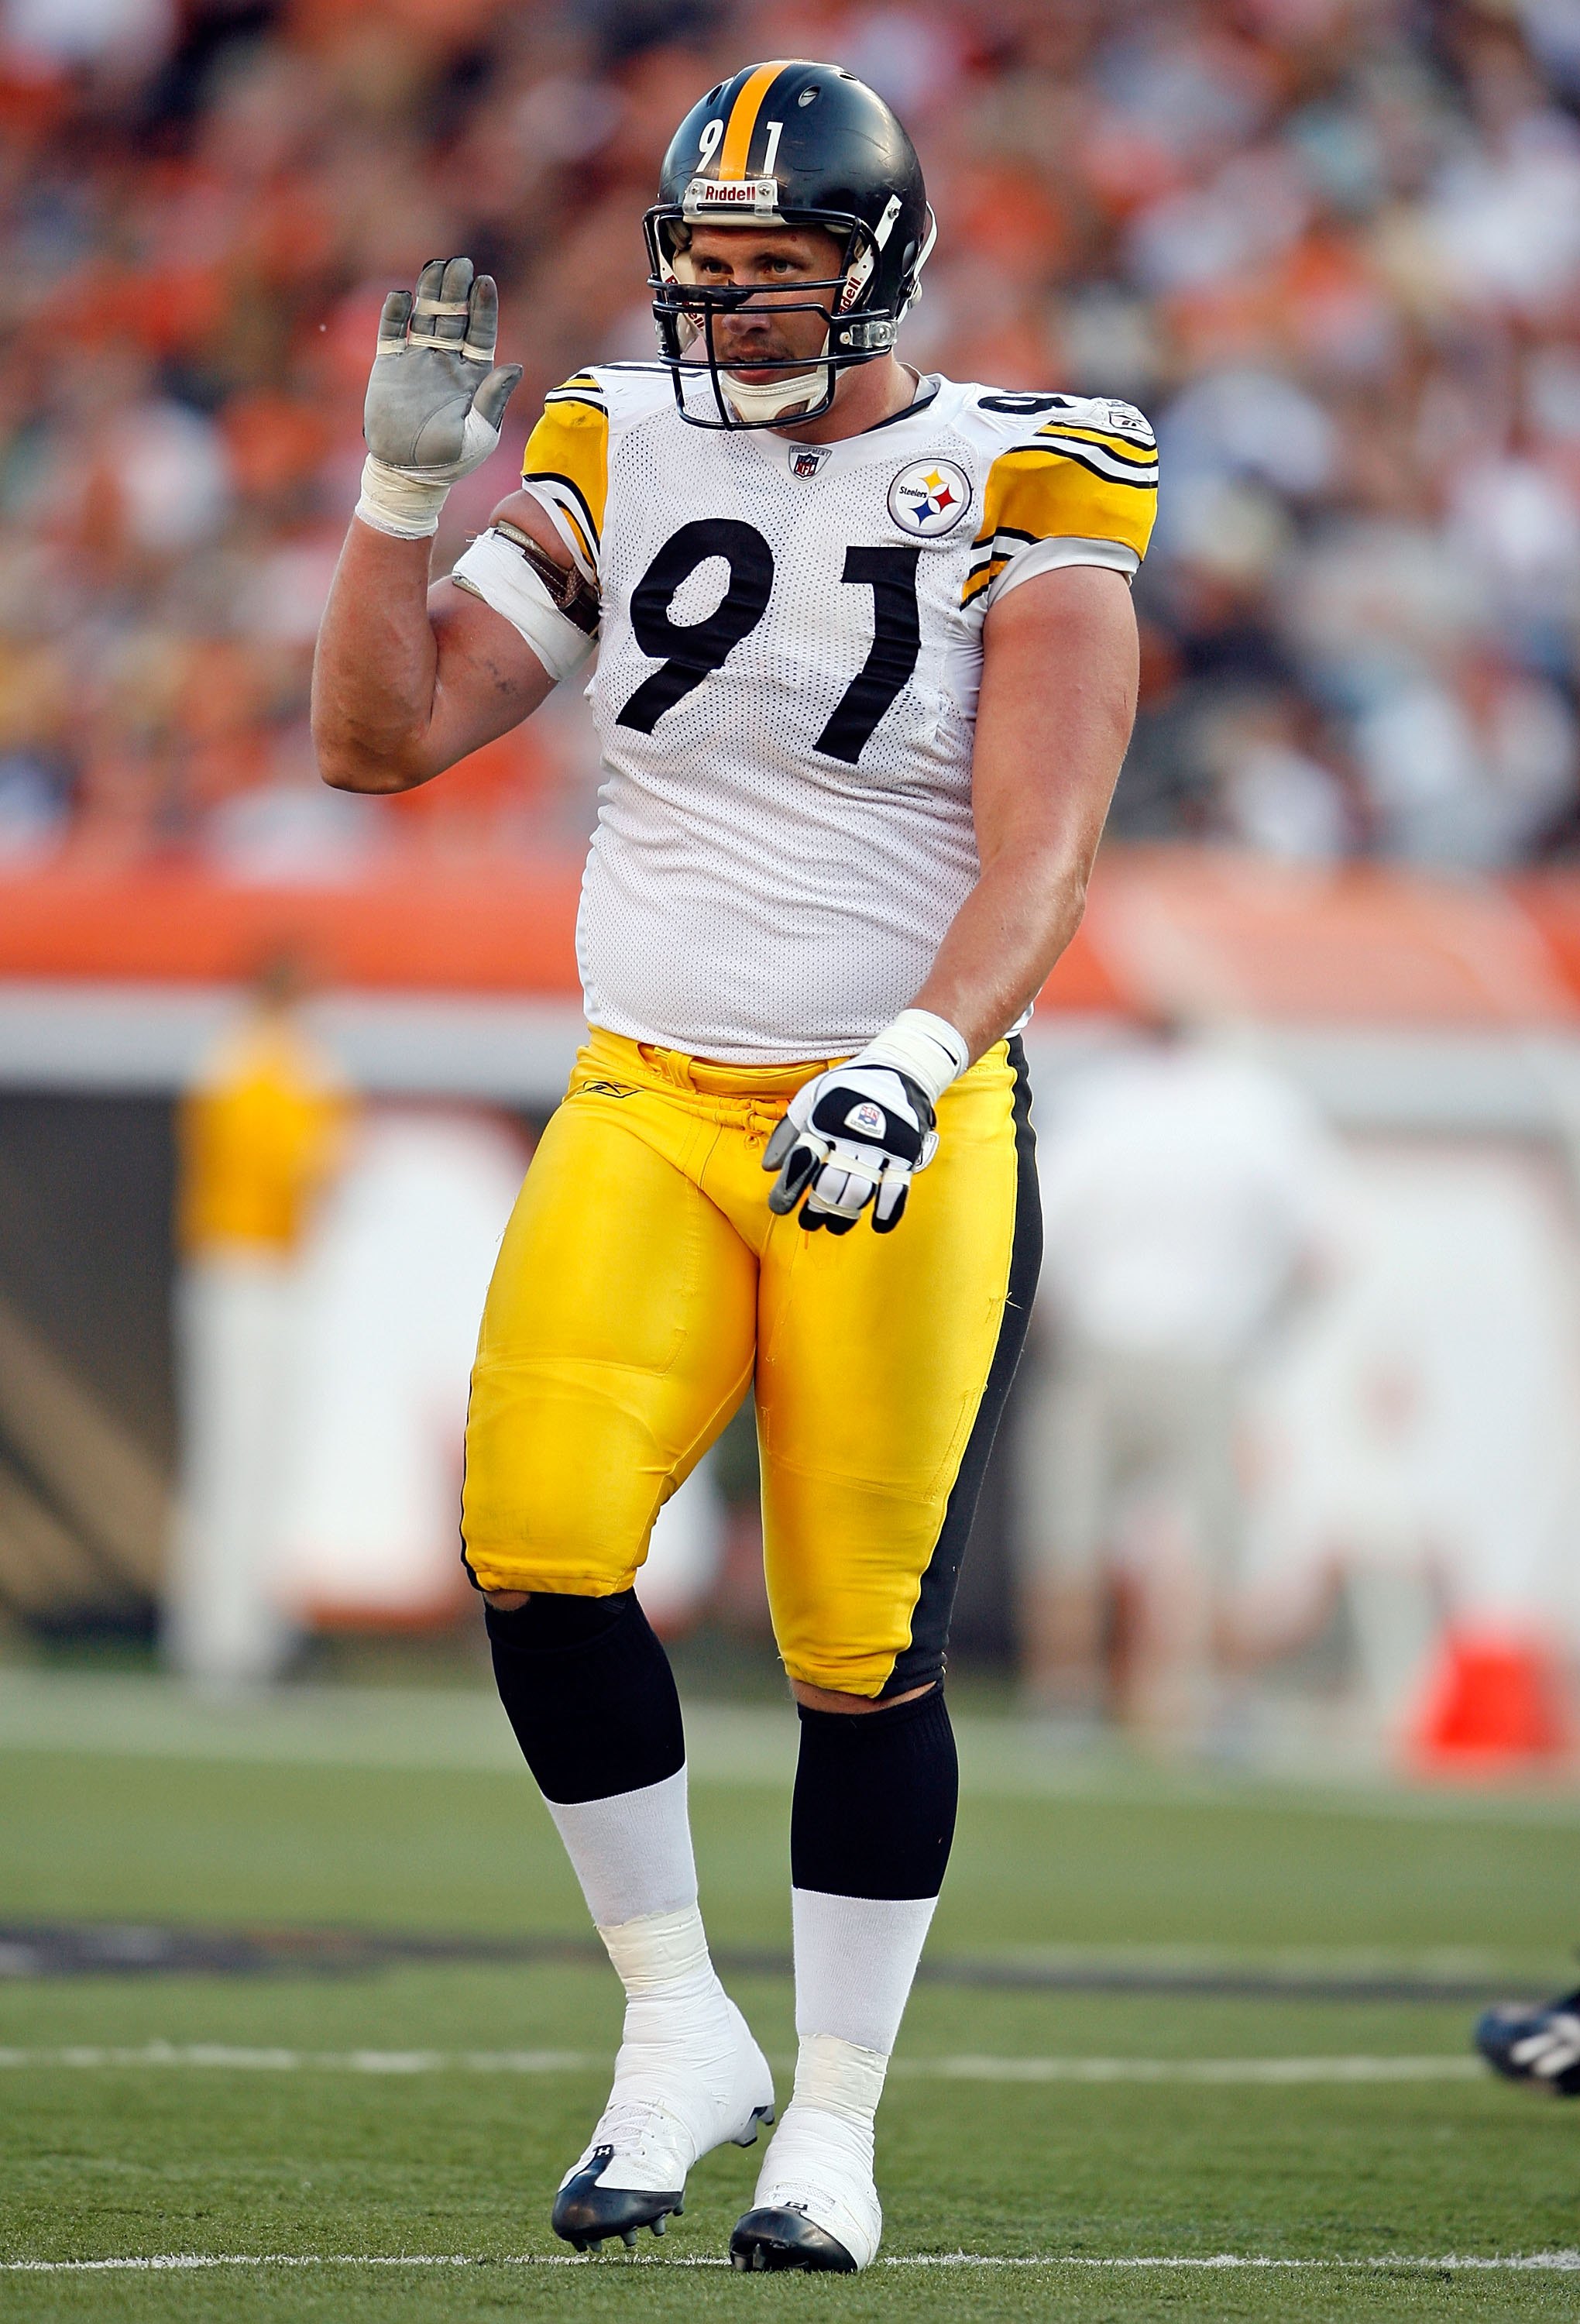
(501, 576)
(404, 507)
(927, 1048)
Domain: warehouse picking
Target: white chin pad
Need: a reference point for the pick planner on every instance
(767, 399)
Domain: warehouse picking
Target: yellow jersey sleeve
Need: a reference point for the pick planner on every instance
(566, 466)
(1082, 489)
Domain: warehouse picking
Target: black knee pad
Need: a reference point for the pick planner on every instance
(590, 1692)
(875, 1795)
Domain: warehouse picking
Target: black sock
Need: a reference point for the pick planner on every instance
(590, 1694)
(875, 1793)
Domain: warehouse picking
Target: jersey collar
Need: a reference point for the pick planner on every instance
(873, 443)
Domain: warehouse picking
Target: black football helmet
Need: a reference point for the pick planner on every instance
(789, 143)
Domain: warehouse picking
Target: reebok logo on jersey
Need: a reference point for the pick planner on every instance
(1125, 416)
(869, 1119)
(807, 459)
(929, 498)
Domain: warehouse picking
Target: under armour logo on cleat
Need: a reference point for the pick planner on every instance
(869, 1119)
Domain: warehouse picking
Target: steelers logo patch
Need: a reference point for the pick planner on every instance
(929, 498)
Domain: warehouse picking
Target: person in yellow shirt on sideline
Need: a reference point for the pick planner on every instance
(261, 1135)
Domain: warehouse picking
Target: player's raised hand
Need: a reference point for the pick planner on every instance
(855, 1135)
(436, 397)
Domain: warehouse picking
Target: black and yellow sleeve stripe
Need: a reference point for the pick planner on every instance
(566, 465)
(1070, 479)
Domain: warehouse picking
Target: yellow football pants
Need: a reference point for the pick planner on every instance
(643, 1280)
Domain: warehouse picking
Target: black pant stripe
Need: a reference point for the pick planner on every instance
(922, 1660)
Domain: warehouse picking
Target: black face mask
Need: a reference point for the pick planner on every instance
(686, 315)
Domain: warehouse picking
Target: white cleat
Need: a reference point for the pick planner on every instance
(673, 2101)
(816, 2205)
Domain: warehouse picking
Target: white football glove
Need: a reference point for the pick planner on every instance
(1550, 2052)
(435, 399)
(857, 1134)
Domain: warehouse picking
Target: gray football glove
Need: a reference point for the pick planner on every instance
(436, 399)
(855, 1135)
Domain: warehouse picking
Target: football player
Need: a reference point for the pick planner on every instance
(866, 673)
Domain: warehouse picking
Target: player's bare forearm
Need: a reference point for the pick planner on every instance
(407, 679)
(1057, 705)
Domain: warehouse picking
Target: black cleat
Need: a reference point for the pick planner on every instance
(1535, 2045)
(775, 2239)
(586, 2213)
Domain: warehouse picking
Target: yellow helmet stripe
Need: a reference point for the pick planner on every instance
(743, 117)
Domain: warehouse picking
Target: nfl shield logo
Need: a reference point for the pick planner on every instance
(807, 459)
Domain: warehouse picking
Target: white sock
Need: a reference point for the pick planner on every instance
(855, 1963)
(632, 1853)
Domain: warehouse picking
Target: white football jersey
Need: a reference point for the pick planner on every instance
(789, 649)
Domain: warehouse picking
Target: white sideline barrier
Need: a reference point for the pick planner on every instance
(146, 1039)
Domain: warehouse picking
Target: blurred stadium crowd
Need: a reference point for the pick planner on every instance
(1333, 247)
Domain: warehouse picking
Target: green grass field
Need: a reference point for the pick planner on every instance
(397, 2119)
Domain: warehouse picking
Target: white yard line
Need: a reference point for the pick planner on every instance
(221, 2056)
(1450, 2069)
(1523, 2261)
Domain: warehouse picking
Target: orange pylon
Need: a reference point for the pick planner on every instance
(1493, 1705)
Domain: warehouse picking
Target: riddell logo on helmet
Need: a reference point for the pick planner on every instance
(758, 195)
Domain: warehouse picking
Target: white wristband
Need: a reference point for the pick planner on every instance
(927, 1048)
(401, 506)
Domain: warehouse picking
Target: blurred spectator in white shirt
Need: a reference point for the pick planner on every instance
(1470, 770)
(1185, 1193)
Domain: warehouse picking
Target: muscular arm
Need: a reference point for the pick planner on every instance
(1057, 704)
(407, 679)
